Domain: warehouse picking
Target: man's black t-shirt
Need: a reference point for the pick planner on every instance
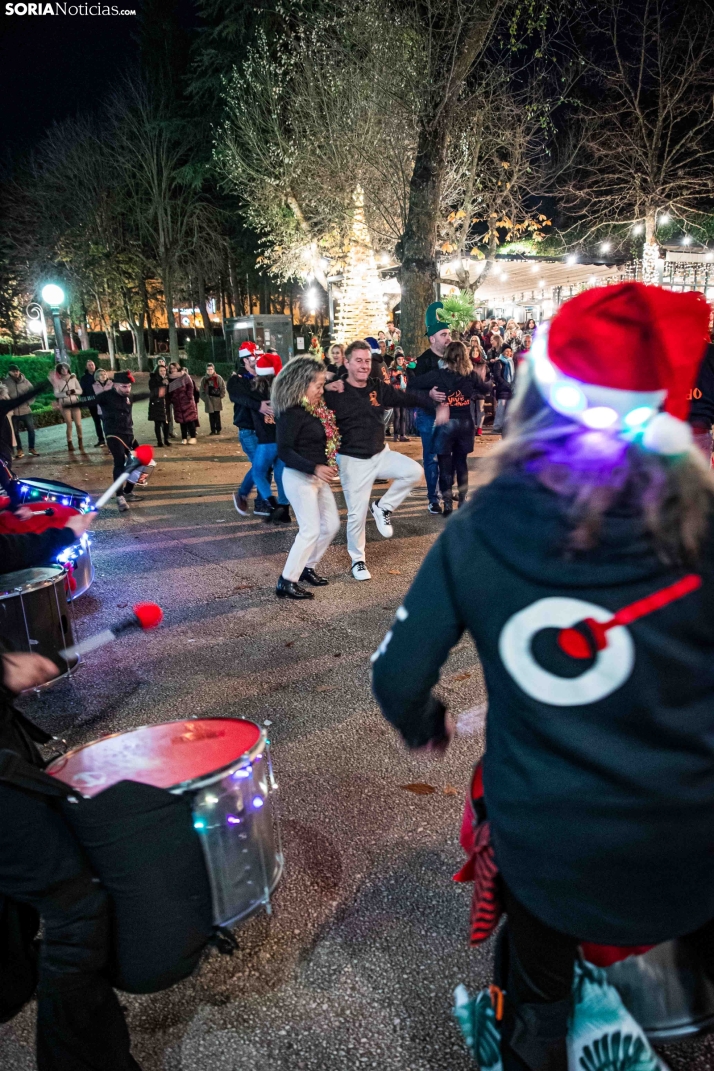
(360, 414)
(428, 361)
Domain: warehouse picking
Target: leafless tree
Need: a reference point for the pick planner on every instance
(646, 119)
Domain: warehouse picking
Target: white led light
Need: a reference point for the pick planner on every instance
(567, 398)
(571, 259)
(686, 240)
(664, 218)
(599, 416)
(541, 282)
(637, 417)
(638, 228)
(534, 267)
(605, 247)
(502, 275)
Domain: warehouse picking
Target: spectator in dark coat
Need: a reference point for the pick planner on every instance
(86, 381)
(182, 402)
(213, 389)
(158, 403)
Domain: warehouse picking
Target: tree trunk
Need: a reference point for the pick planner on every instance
(168, 285)
(147, 313)
(107, 331)
(650, 250)
(201, 283)
(419, 269)
(83, 336)
(233, 280)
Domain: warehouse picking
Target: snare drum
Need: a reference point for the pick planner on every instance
(35, 614)
(223, 766)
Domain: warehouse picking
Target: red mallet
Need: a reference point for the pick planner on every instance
(146, 615)
(588, 637)
(139, 458)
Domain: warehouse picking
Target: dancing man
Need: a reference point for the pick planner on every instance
(359, 403)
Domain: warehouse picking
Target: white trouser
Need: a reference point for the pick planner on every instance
(318, 519)
(357, 476)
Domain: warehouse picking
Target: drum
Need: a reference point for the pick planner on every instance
(666, 991)
(33, 490)
(222, 765)
(34, 612)
(75, 559)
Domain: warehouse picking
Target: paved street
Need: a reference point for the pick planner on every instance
(368, 938)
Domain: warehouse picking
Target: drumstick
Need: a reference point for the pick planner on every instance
(142, 456)
(146, 615)
(575, 644)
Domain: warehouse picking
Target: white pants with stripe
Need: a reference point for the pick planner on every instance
(357, 476)
(318, 518)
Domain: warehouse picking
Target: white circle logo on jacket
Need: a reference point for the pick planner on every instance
(611, 668)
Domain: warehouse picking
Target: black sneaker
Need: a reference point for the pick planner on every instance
(435, 507)
(261, 508)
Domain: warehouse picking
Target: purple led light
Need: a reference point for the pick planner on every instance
(242, 773)
(232, 820)
(257, 802)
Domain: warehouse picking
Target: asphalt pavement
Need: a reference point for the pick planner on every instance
(357, 964)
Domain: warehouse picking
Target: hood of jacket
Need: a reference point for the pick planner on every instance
(531, 538)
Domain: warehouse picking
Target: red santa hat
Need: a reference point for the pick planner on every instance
(248, 349)
(625, 358)
(264, 365)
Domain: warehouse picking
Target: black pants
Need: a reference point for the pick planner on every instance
(535, 964)
(97, 423)
(159, 426)
(120, 453)
(80, 1025)
(400, 422)
(214, 420)
(188, 430)
(452, 443)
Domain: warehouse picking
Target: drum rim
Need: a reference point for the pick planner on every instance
(195, 782)
(35, 586)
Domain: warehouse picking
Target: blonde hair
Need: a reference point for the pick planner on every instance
(290, 386)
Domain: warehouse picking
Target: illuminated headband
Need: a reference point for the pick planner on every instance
(629, 413)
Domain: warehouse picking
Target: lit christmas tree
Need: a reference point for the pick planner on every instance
(361, 311)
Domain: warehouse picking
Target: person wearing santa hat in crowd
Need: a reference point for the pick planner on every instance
(583, 571)
(265, 456)
(701, 411)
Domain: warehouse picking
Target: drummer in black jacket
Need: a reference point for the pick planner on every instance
(45, 876)
(119, 425)
(359, 403)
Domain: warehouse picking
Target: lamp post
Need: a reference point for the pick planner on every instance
(36, 322)
(53, 295)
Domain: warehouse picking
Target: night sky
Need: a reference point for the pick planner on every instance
(53, 66)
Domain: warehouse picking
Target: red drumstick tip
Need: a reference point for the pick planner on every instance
(148, 614)
(144, 454)
(573, 643)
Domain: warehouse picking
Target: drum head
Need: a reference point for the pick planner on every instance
(29, 580)
(164, 756)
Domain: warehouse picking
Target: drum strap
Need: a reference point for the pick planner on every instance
(16, 771)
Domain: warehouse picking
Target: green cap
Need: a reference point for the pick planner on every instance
(432, 324)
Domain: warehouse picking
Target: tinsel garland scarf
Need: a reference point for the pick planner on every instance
(332, 435)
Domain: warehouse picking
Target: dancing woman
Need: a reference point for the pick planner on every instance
(308, 442)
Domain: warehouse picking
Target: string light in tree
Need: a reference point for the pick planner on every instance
(361, 310)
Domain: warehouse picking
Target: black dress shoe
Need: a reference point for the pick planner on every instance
(288, 589)
(313, 578)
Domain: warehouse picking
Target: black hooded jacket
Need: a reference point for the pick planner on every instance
(599, 774)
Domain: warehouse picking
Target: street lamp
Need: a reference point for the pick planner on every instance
(53, 296)
(36, 323)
